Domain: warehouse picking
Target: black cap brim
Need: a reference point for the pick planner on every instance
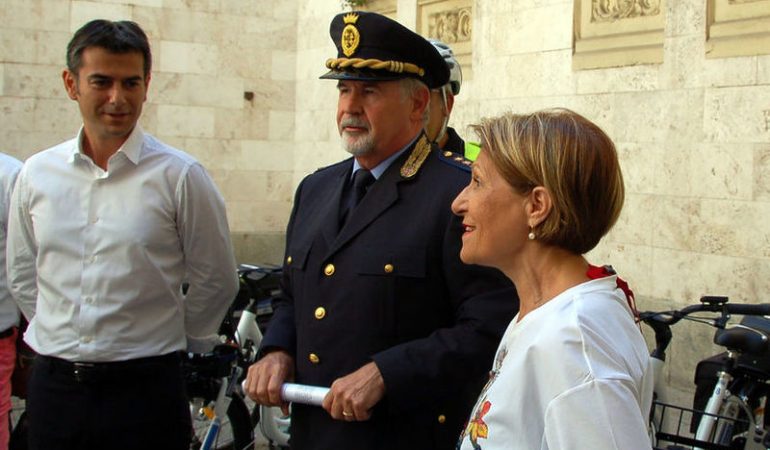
(363, 75)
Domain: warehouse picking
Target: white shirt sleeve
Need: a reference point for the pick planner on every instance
(21, 251)
(209, 260)
(599, 414)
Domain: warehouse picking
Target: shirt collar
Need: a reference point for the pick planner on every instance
(378, 170)
(132, 148)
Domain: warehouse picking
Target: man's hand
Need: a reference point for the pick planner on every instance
(353, 396)
(265, 377)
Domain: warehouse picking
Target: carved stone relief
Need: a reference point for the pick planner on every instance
(737, 28)
(611, 10)
(450, 21)
(451, 26)
(612, 33)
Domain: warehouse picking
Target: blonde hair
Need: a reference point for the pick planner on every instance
(569, 156)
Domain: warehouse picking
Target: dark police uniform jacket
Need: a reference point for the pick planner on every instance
(454, 142)
(388, 287)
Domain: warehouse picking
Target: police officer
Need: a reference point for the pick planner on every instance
(442, 101)
(376, 303)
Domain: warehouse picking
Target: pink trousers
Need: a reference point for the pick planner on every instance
(7, 363)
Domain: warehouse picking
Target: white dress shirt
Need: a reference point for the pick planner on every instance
(110, 249)
(9, 169)
(574, 374)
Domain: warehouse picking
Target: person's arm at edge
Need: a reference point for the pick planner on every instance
(209, 259)
(21, 250)
(282, 333)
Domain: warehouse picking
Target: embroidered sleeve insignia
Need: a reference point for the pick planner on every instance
(420, 151)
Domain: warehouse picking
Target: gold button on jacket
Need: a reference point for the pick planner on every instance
(320, 312)
(441, 418)
(405, 223)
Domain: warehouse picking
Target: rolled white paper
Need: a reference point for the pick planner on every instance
(302, 393)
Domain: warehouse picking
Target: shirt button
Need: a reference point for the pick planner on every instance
(89, 300)
(314, 358)
(94, 220)
(85, 339)
(329, 270)
(320, 312)
(288, 260)
(388, 268)
(441, 418)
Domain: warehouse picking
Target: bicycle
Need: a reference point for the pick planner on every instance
(263, 286)
(736, 392)
(223, 417)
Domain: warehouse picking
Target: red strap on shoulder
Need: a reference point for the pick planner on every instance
(595, 272)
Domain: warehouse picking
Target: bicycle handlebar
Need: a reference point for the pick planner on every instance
(672, 317)
(661, 321)
(762, 309)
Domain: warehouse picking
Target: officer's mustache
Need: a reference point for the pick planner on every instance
(354, 122)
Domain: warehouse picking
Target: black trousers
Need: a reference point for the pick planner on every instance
(123, 405)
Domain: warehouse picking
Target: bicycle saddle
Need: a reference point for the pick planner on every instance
(743, 339)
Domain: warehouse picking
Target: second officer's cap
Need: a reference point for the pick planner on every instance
(372, 47)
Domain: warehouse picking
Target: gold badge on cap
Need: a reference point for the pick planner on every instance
(350, 36)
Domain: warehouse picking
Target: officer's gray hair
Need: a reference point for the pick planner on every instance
(409, 88)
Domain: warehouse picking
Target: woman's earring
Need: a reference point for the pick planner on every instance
(531, 235)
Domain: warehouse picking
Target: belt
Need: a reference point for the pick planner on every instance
(6, 333)
(93, 372)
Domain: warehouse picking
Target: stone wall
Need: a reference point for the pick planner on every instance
(692, 129)
(693, 133)
(222, 88)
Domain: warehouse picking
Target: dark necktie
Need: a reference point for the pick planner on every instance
(362, 179)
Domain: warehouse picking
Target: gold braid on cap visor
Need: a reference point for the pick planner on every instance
(374, 64)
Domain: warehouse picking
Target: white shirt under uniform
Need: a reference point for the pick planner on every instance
(96, 259)
(574, 374)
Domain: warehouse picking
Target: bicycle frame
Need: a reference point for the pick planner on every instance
(272, 424)
(716, 427)
(249, 337)
(221, 404)
(713, 408)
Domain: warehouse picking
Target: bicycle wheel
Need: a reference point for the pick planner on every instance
(236, 432)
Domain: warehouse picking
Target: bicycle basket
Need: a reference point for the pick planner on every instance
(672, 428)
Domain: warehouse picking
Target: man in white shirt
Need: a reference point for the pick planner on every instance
(9, 313)
(103, 230)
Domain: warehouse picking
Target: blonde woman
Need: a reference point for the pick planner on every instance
(572, 370)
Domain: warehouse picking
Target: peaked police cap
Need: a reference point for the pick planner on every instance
(372, 47)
